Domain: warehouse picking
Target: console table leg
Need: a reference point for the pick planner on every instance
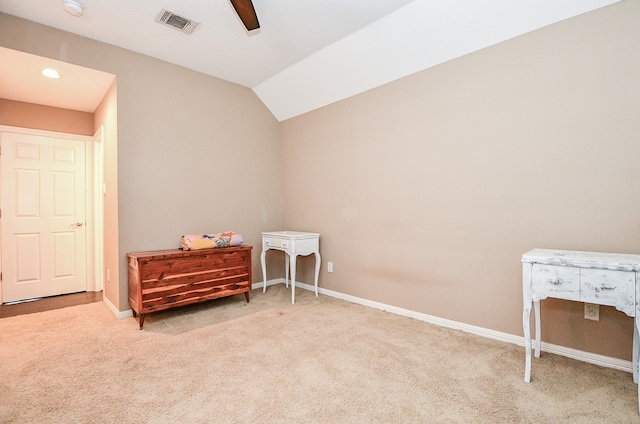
(536, 306)
(526, 325)
(318, 261)
(636, 348)
(264, 270)
(293, 279)
(636, 352)
(526, 318)
(286, 270)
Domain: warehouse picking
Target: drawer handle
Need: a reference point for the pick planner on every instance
(604, 289)
(555, 282)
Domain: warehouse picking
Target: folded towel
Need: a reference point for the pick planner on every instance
(206, 241)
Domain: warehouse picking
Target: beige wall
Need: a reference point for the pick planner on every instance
(426, 191)
(194, 153)
(106, 119)
(28, 115)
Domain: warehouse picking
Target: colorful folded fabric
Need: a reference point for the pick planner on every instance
(207, 241)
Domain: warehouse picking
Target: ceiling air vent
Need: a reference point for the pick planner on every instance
(169, 18)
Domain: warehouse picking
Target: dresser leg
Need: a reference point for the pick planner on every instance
(142, 320)
(246, 294)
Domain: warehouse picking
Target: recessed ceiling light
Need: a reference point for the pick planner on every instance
(50, 73)
(73, 7)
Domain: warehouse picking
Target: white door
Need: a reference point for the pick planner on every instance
(42, 201)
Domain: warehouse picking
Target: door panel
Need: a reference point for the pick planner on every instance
(27, 248)
(28, 183)
(43, 216)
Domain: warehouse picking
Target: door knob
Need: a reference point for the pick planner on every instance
(77, 224)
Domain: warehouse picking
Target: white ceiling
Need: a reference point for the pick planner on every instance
(307, 53)
(77, 88)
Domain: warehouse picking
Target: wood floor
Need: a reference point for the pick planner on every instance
(49, 303)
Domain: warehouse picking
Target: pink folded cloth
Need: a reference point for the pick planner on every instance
(207, 241)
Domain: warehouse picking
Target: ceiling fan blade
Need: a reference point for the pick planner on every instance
(246, 12)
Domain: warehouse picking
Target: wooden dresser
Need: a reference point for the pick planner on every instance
(166, 279)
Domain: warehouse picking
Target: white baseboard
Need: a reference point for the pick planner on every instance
(116, 312)
(592, 358)
(269, 283)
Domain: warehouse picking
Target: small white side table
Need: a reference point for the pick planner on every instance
(609, 279)
(293, 244)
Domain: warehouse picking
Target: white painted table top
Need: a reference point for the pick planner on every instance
(298, 235)
(612, 261)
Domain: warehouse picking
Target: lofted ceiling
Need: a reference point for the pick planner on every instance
(306, 54)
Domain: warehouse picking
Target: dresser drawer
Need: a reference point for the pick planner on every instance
(608, 287)
(555, 281)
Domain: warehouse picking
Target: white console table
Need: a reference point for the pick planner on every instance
(600, 278)
(294, 244)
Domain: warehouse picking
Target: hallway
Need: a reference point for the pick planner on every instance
(49, 303)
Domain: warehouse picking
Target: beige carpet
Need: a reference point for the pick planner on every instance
(318, 361)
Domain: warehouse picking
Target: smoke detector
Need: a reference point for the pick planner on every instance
(73, 7)
(175, 21)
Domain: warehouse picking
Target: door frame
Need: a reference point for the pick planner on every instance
(94, 183)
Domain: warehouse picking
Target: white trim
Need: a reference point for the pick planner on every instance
(116, 312)
(269, 283)
(98, 209)
(90, 217)
(592, 358)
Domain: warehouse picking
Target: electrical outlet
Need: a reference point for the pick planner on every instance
(592, 311)
(330, 266)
